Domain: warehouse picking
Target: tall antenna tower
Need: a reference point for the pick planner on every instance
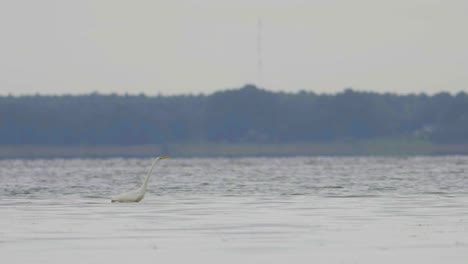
(259, 52)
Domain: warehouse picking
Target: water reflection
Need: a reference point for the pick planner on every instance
(329, 210)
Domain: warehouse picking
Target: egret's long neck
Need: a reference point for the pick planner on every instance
(145, 184)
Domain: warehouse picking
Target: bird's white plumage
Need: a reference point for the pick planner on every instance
(138, 194)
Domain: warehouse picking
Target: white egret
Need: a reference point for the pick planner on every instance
(138, 194)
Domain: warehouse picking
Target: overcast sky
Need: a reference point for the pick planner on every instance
(180, 47)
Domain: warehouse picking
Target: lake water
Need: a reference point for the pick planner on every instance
(242, 210)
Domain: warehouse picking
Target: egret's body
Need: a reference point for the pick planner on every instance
(138, 194)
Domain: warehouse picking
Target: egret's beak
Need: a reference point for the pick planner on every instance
(164, 157)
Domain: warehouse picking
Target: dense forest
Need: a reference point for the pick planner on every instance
(244, 115)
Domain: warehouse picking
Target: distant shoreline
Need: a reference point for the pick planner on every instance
(367, 148)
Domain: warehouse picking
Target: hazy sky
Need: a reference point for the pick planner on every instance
(173, 47)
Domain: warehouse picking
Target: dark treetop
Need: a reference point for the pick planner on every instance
(247, 114)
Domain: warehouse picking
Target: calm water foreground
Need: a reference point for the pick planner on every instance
(249, 210)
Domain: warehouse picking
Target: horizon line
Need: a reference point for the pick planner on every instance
(165, 94)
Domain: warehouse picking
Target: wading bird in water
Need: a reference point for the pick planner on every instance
(138, 194)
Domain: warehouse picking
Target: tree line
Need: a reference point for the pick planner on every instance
(243, 115)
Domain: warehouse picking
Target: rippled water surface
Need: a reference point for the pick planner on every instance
(243, 210)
